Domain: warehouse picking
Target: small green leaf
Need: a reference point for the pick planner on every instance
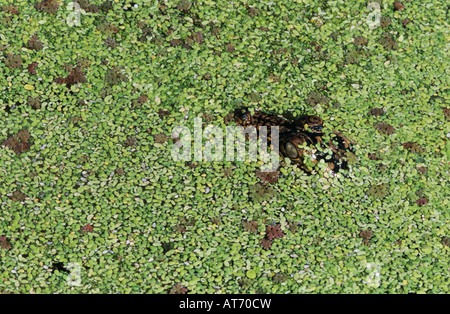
(251, 274)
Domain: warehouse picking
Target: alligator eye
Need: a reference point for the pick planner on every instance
(291, 150)
(315, 123)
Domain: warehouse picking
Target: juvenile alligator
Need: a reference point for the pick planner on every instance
(293, 133)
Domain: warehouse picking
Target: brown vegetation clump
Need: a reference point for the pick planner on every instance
(216, 220)
(274, 78)
(23, 136)
(228, 118)
(60, 80)
(161, 138)
(398, 6)
(422, 170)
(254, 97)
(18, 142)
(388, 42)
(176, 42)
(230, 47)
(131, 141)
(108, 28)
(251, 226)
(405, 22)
(366, 235)
(413, 147)
(252, 11)
(270, 177)
(266, 243)
(446, 113)
(360, 41)
(384, 128)
(143, 99)
(216, 30)
(178, 289)
(208, 117)
(88, 228)
(355, 56)
(120, 171)
(422, 201)
(13, 61)
(198, 37)
(106, 6)
(111, 42)
(180, 228)
(376, 112)
(293, 226)
(48, 6)
(206, 76)
(34, 43)
(228, 172)
(86, 6)
(75, 76)
(18, 196)
(446, 241)
(184, 6)
(114, 77)
(279, 278)
(32, 68)
(35, 102)
(163, 113)
(260, 192)
(274, 232)
(374, 156)
(378, 190)
(315, 98)
(83, 63)
(11, 9)
(385, 21)
(4, 243)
